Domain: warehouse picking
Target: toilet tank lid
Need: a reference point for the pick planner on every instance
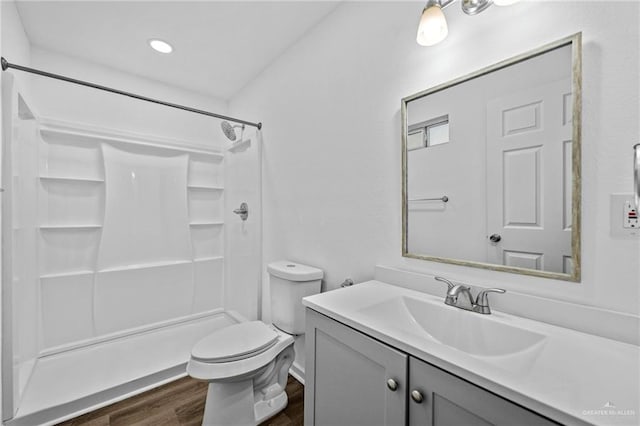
(294, 271)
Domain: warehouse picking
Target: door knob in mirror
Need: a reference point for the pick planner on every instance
(495, 238)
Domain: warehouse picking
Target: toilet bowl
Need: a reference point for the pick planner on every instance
(247, 364)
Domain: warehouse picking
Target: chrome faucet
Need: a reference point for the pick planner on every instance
(480, 305)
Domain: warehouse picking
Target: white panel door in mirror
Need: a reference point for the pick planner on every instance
(527, 198)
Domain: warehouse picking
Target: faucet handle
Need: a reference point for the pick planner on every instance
(449, 284)
(482, 301)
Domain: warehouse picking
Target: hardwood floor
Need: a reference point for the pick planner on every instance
(180, 403)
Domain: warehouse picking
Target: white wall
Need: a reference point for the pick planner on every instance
(330, 106)
(2, 15)
(15, 44)
(64, 101)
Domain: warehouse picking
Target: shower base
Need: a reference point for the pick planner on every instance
(74, 382)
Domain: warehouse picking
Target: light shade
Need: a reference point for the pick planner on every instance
(433, 25)
(504, 2)
(160, 46)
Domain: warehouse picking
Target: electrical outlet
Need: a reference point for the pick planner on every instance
(624, 216)
(630, 215)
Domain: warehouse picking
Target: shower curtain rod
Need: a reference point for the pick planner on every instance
(6, 65)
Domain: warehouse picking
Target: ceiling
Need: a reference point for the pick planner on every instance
(219, 46)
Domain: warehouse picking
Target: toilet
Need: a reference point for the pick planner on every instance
(247, 364)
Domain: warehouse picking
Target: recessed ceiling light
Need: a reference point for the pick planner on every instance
(160, 46)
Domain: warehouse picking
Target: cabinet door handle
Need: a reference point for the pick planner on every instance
(417, 396)
(392, 385)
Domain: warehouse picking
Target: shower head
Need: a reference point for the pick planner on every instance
(229, 130)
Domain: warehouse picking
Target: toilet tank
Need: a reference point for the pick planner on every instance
(290, 282)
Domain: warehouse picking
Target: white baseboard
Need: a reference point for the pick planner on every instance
(297, 372)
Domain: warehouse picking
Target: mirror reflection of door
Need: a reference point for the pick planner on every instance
(529, 153)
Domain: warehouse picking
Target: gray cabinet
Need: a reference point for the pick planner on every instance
(346, 377)
(446, 400)
(348, 383)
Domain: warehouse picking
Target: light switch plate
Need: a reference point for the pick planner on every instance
(621, 224)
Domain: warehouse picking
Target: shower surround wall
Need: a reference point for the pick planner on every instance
(139, 275)
(14, 42)
(113, 235)
(130, 233)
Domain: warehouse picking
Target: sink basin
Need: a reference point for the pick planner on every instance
(475, 334)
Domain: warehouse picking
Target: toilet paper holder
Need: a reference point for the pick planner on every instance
(347, 283)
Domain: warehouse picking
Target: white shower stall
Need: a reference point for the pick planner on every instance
(120, 250)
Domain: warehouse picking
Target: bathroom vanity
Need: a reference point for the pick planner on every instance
(381, 354)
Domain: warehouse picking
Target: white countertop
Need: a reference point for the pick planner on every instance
(572, 378)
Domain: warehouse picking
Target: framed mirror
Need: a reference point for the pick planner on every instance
(491, 166)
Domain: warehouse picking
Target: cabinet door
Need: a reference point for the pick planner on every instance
(450, 401)
(346, 377)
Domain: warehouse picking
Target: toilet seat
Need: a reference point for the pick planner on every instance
(236, 365)
(236, 342)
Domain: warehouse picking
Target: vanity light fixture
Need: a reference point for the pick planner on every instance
(473, 7)
(160, 46)
(433, 25)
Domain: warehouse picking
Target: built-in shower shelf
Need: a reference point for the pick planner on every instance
(71, 179)
(206, 223)
(68, 227)
(72, 133)
(67, 274)
(208, 258)
(206, 187)
(144, 266)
